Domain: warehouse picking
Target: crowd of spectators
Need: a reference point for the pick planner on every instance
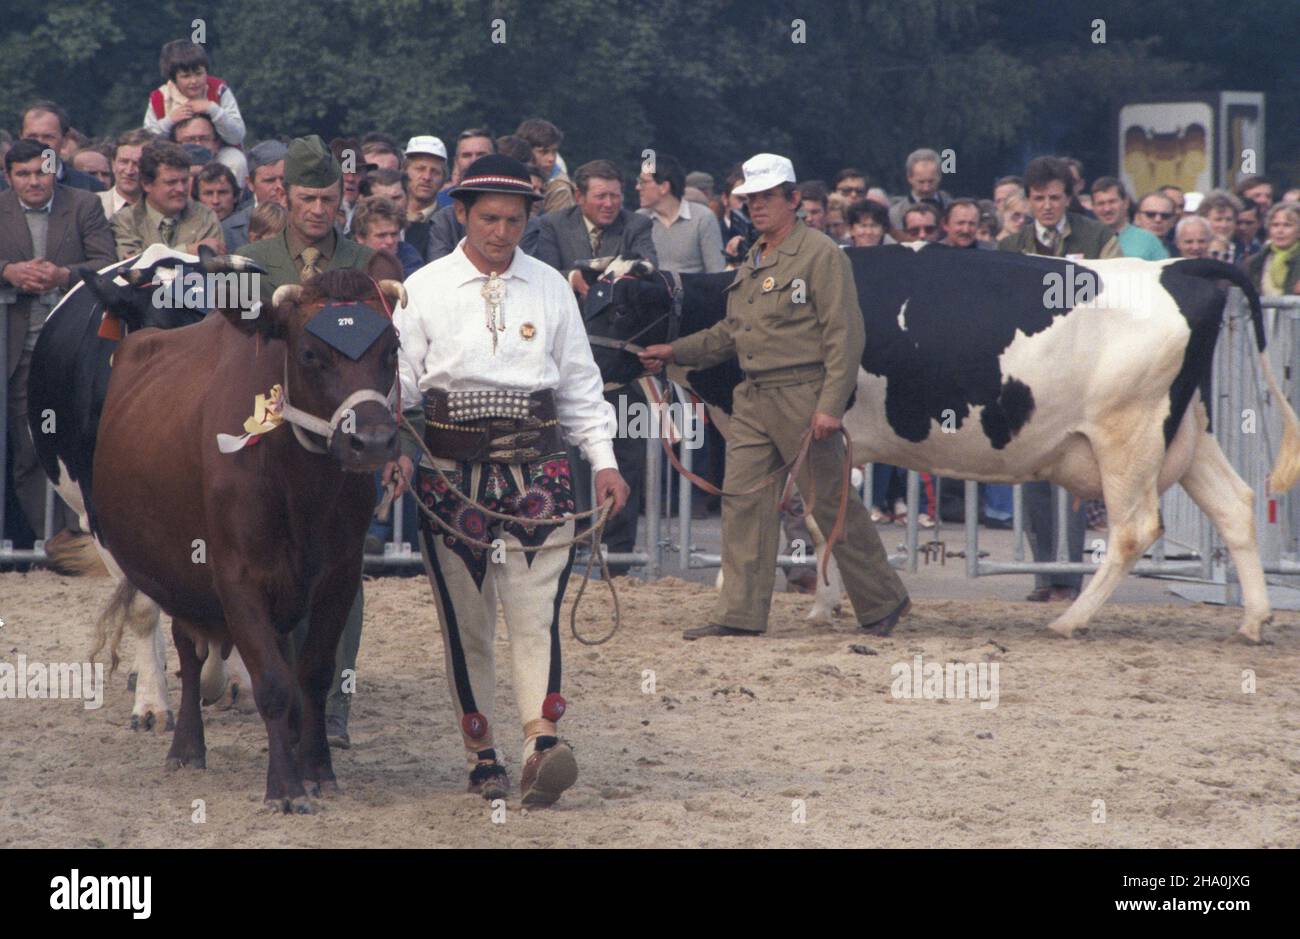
(189, 177)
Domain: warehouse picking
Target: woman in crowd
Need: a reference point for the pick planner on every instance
(1276, 269)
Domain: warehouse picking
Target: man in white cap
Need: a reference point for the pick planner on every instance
(794, 324)
(426, 169)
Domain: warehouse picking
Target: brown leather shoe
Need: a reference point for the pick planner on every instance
(1065, 594)
(885, 626)
(547, 773)
(714, 629)
(1040, 595)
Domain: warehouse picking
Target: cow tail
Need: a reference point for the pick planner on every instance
(114, 619)
(1286, 466)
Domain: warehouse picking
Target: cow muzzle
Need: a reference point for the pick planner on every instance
(361, 444)
(368, 440)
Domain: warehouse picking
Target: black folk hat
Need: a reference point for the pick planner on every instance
(496, 173)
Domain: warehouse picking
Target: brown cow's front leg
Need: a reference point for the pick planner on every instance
(274, 690)
(316, 665)
(187, 741)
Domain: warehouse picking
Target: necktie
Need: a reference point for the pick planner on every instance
(167, 229)
(309, 258)
(1051, 239)
(595, 242)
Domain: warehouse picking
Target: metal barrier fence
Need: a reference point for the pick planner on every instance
(1196, 553)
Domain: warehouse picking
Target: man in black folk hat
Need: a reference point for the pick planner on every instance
(494, 348)
(308, 246)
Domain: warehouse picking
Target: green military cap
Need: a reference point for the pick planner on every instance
(309, 163)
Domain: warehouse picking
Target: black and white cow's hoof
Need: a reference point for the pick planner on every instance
(148, 720)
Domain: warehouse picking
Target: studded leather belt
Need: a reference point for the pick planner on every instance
(491, 426)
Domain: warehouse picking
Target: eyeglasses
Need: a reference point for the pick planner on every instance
(851, 190)
(1162, 215)
(921, 229)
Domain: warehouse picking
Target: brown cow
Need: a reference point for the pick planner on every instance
(240, 545)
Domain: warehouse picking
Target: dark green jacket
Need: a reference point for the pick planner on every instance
(1089, 238)
(273, 254)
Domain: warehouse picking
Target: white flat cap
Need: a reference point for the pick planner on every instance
(764, 171)
(430, 146)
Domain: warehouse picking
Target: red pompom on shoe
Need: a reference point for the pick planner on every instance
(553, 707)
(475, 725)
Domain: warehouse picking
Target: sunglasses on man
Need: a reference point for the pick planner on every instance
(851, 190)
(1155, 215)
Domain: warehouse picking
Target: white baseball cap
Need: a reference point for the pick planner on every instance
(427, 145)
(764, 171)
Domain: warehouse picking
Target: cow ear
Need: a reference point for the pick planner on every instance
(383, 265)
(248, 303)
(101, 285)
(260, 316)
(642, 268)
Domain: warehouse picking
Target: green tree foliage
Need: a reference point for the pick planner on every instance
(712, 81)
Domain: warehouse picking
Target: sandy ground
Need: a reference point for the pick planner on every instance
(790, 740)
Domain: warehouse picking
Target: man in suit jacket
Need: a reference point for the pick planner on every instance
(166, 215)
(265, 184)
(1056, 233)
(46, 122)
(311, 245)
(599, 226)
(45, 231)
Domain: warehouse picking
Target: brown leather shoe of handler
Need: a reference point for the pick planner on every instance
(885, 626)
(547, 773)
(714, 629)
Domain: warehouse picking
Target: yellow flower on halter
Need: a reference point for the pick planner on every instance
(266, 412)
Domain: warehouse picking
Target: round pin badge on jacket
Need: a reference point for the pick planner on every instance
(528, 330)
(768, 284)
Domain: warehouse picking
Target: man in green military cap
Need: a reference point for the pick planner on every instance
(310, 245)
(794, 324)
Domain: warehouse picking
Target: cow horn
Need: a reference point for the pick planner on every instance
(231, 263)
(286, 293)
(394, 291)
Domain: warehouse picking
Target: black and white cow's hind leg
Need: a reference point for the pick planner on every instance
(1229, 503)
(1129, 459)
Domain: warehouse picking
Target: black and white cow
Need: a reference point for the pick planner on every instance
(1006, 368)
(69, 381)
